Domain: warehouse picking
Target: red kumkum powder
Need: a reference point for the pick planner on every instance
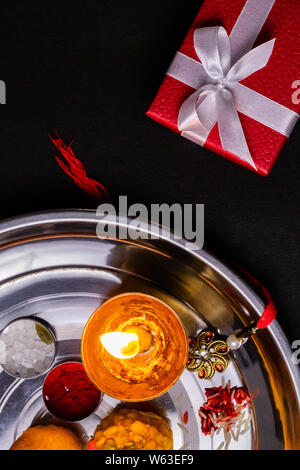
(69, 394)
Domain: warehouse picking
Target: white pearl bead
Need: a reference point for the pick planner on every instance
(205, 355)
(233, 343)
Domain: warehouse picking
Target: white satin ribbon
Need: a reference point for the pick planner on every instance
(214, 101)
(219, 94)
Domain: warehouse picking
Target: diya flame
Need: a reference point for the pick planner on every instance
(121, 345)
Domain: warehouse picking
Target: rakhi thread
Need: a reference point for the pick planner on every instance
(209, 354)
(238, 338)
(76, 170)
(270, 312)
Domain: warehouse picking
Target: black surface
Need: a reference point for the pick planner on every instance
(91, 69)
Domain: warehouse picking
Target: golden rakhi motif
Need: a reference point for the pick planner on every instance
(207, 355)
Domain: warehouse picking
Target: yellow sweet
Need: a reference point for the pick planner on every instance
(131, 429)
(49, 437)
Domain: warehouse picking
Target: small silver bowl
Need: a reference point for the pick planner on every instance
(27, 348)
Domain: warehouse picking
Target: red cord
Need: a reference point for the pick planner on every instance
(76, 170)
(269, 313)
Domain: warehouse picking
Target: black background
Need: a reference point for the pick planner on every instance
(90, 69)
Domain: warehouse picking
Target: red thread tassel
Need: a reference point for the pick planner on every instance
(76, 170)
(269, 313)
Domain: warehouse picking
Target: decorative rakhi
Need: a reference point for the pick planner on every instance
(208, 353)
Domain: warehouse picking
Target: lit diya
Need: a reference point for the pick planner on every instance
(134, 347)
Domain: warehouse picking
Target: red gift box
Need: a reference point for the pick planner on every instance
(266, 102)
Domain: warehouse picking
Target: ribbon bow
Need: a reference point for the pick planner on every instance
(214, 102)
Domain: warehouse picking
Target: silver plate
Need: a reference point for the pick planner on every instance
(53, 266)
